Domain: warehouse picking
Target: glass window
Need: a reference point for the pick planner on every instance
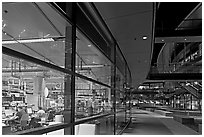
(120, 62)
(101, 126)
(33, 90)
(91, 99)
(91, 62)
(37, 30)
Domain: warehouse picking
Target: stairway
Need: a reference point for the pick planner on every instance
(194, 91)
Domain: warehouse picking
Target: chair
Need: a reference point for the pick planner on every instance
(24, 121)
(44, 118)
(51, 116)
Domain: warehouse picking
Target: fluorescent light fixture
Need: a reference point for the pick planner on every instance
(144, 37)
(89, 45)
(27, 41)
(93, 66)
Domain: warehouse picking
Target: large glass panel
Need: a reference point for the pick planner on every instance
(120, 62)
(36, 29)
(91, 99)
(31, 93)
(120, 102)
(91, 62)
(120, 121)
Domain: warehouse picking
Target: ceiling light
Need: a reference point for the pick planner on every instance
(26, 41)
(89, 45)
(93, 66)
(144, 37)
(162, 40)
(184, 39)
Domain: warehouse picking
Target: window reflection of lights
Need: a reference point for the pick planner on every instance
(4, 25)
(47, 35)
(93, 66)
(54, 45)
(23, 31)
(144, 37)
(27, 41)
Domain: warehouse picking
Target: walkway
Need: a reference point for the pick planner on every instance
(148, 123)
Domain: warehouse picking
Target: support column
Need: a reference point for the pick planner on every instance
(39, 86)
(200, 49)
(184, 98)
(126, 95)
(69, 81)
(113, 84)
(191, 101)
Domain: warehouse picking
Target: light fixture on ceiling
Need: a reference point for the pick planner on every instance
(89, 45)
(93, 66)
(144, 37)
(27, 41)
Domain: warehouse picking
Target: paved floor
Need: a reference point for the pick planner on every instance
(149, 123)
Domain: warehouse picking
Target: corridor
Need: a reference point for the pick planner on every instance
(150, 123)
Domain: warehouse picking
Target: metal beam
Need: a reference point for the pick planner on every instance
(178, 39)
(175, 76)
(188, 16)
(170, 80)
(179, 33)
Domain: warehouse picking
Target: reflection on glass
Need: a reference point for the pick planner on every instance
(35, 29)
(91, 99)
(91, 62)
(101, 126)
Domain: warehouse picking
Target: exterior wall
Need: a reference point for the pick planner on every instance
(80, 76)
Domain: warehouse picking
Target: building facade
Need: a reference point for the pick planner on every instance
(58, 56)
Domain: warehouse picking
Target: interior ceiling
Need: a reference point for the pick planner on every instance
(129, 22)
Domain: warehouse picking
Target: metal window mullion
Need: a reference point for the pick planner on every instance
(73, 62)
(114, 86)
(47, 18)
(17, 54)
